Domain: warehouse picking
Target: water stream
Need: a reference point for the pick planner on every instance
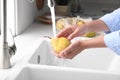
(57, 61)
(52, 10)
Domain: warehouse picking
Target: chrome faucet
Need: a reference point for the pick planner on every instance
(5, 51)
(51, 3)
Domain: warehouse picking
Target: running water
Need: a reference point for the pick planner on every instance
(53, 21)
(51, 5)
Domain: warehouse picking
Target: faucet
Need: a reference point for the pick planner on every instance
(5, 51)
(51, 3)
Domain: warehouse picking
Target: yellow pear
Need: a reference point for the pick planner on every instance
(80, 23)
(90, 34)
(60, 24)
(58, 44)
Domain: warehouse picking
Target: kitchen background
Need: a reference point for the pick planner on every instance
(26, 11)
(93, 8)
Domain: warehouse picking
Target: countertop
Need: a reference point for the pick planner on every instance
(24, 42)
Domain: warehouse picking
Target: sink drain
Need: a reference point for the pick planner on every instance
(38, 59)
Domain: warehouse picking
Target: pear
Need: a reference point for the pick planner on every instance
(90, 34)
(58, 44)
(60, 24)
(80, 23)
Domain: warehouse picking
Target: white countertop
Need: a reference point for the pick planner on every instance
(24, 42)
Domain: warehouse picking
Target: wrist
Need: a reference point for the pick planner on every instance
(96, 26)
(97, 42)
(83, 44)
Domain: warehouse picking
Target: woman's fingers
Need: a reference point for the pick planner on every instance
(70, 51)
(65, 32)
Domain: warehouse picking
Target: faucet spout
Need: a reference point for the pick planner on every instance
(5, 50)
(4, 56)
(4, 53)
(51, 3)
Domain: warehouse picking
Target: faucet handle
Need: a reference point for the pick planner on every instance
(11, 43)
(51, 3)
(12, 50)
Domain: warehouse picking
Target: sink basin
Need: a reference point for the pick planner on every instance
(91, 64)
(96, 58)
(56, 73)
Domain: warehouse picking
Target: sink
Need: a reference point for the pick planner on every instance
(91, 64)
(57, 73)
(96, 58)
(42, 54)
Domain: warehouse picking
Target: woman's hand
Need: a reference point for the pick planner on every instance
(75, 48)
(71, 51)
(73, 31)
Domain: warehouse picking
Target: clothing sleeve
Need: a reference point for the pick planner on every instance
(112, 20)
(112, 39)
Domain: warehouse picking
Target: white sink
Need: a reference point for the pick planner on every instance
(91, 64)
(56, 73)
(97, 58)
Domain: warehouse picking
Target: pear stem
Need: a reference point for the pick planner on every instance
(47, 37)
